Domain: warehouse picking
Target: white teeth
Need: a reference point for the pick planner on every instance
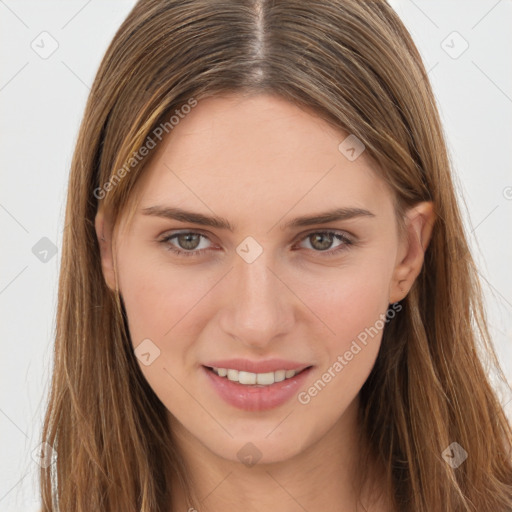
(233, 375)
(265, 379)
(248, 378)
(280, 375)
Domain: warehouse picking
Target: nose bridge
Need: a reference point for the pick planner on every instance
(258, 308)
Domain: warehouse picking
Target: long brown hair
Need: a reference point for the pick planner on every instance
(355, 65)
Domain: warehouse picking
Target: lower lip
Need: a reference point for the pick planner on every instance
(255, 398)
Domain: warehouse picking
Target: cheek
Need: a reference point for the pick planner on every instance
(157, 296)
(352, 304)
(349, 299)
(160, 302)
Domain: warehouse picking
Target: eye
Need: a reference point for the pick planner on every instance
(189, 242)
(321, 241)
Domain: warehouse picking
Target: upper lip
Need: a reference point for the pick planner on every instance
(266, 366)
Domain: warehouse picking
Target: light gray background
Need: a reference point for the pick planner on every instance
(42, 101)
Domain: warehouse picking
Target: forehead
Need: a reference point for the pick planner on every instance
(261, 155)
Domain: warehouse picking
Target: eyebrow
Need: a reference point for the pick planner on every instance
(182, 215)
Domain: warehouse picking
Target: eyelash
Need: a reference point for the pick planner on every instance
(332, 252)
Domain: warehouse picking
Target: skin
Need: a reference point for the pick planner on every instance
(260, 161)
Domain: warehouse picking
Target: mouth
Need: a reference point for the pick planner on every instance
(255, 379)
(251, 391)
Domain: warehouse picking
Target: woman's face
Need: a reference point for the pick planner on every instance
(257, 287)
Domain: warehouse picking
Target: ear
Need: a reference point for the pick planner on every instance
(104, 235)
(419, 224)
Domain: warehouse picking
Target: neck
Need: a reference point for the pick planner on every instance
(321, 477)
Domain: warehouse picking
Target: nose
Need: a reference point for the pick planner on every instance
(258, 307)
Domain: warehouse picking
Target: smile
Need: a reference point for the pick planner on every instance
(251, 391)
(250, 379)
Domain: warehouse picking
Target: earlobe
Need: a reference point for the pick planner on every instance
(104, 235)
(419, 223)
